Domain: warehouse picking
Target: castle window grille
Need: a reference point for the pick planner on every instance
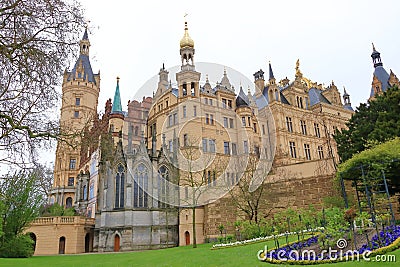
(119, 187)
(140, 197)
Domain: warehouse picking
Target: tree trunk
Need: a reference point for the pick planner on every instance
(194, 227)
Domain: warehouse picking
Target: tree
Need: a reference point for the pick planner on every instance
(198, 173)
(20, 204)
(372, 123)
(36, 41)
(380, 158)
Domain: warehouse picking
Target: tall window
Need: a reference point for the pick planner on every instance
(226, 148)
(243, 121)
(210, 101)
(316, 130)
(303, 127)
(211, 143)
(320, 152)
(85, 192)
(211, 119)
(70, 181)
(207, 118)
(194, 111)
(292, 147)
(163, 188)
(245, 147)
(231, 123)
(230, 104)
(184, 111)
(185, 140)
(91, 190)
(307, 151)
(76, 114)
(225, 122)
(289, 124)
(223, 103)
(255, 127)
(77, 101)
(263, 129)
(140, 197)
(170, 121)
(234, 149)
(204, 142)
(72, 164)
(119, 187)
(175, 119)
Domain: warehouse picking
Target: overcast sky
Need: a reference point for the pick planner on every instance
(332, 39)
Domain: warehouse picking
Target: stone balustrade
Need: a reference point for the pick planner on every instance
(63, 220)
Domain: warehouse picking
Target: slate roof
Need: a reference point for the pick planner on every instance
(383, 77)
(316, 97)
(87, 69)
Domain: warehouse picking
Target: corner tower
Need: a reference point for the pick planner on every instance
(188, 78)
(80, 93)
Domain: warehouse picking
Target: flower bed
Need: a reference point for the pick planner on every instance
(381, 243)
(260, 239)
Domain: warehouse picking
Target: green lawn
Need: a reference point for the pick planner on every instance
(181, 256)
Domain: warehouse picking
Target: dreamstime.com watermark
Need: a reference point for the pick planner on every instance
(340, 254)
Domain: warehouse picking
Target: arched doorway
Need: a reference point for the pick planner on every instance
(61, 245)
(187, 238)
(87, 242)
(68, 202)
(33, 237)
(117, 241)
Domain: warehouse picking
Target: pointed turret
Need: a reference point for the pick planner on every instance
(346, 100)
(271, 79)
(117, 107)
(83, 69)
(376, 57)
(242, 100)
(225, 81)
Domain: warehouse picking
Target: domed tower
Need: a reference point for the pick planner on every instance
(188, 78)
(80, 93)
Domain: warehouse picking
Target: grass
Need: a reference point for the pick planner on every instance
(179, 256)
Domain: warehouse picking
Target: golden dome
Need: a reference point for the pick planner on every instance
(186, 41)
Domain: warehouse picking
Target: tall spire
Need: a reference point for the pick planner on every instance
(85, 35)
(117, 107)
(271, 73)
(376, 57)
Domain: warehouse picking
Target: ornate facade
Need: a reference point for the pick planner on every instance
(139, 171)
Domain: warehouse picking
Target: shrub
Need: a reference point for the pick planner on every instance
(20, 246)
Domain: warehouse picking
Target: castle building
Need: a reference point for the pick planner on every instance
(80, 93)
(143, 174)
(381, 80)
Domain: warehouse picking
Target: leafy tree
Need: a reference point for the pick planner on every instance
(36, 41)
(20, 204)
(383, 158)
(372, 123)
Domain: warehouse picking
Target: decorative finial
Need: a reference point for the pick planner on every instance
(117, 79)
(248, 90)
(224, 71)
(207, 81)
(163, 67)
(373, 47)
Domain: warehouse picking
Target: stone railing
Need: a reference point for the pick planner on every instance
(63, 220)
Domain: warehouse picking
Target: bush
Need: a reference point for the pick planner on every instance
(57, 210)
(20, 246)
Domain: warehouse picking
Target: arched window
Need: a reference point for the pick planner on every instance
(68, 202)
(85, 192)
(136, 131)
(119, 187)
(163, 178)
(140, 197)
(276, 95)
